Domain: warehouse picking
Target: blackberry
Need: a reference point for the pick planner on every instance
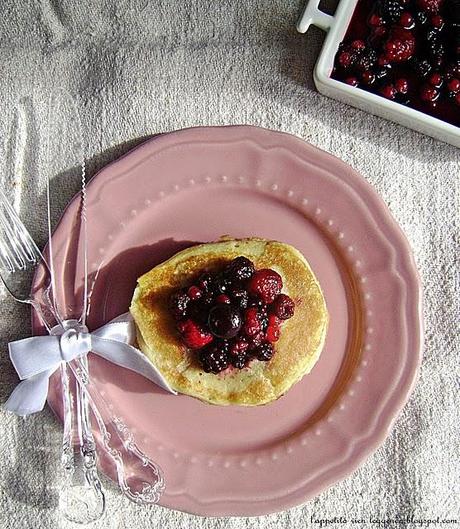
(179, 303)
(262, 315)
(366, 59)
(240, 269)
(213, 359)
(391, 10)
(421, 18)
(421, 67)
(436, 50)
(264, 352)
(239, 297)
(239, 361)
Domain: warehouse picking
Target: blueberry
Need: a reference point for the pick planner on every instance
(224, 321)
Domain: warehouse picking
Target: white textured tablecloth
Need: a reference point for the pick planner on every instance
(140, 67)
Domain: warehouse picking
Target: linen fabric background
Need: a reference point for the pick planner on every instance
(139, 67)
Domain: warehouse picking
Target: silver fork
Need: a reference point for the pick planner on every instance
(81, 499)
(139, 478)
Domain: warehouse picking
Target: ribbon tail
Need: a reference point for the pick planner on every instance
(127, 356)
(29, 396)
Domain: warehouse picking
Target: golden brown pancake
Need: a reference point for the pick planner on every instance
(296, 352)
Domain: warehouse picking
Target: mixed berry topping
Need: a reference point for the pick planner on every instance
(232, 315)
(407, 51)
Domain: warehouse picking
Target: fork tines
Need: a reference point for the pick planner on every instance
(17, 249)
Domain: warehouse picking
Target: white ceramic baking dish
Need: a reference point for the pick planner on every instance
(336, 27)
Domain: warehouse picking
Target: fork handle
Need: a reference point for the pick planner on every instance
(81, 498)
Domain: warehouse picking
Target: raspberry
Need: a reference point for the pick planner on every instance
(266, 284)
(283, 307)
(193, 334)
(358, 45)
(240, 269)
(346, 59)
(213, 359)
(264, 352)
(400, 46)
(273, 330)
(178, 304)
(251, 322)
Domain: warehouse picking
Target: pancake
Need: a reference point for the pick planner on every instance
(296, 352)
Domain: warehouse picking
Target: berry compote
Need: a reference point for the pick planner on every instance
(232, 315)
(407, 51)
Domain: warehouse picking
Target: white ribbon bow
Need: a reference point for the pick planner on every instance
(36, 359)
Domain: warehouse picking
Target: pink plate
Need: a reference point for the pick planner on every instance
(194, 186)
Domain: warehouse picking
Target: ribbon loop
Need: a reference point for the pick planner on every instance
(36, 359)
